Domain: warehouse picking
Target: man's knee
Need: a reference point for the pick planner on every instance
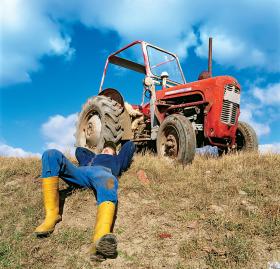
(51, 154)
(108, 192)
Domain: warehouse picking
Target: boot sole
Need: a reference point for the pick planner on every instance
(44, 234)
(107, 246)
(97, 258)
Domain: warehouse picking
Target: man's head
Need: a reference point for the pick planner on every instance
(109, 148)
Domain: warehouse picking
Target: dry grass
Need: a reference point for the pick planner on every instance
(214, 213)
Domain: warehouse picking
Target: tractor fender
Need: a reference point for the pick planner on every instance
(125, 119)
(113, 94)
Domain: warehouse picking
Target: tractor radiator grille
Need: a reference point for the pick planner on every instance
(230, 104)
(229, 112)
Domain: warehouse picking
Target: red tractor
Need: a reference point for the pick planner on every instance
(174, 115)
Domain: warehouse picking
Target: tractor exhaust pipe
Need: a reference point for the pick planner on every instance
(210, 57)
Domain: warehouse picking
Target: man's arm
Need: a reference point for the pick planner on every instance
(84, 156)
(125, 155)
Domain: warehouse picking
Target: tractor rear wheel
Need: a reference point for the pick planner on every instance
(176, 139)
(246, 137)
(99, 121)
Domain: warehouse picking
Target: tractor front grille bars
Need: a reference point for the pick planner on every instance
(230, 104)
(229, 112)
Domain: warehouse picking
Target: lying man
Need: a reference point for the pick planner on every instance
(96, 171)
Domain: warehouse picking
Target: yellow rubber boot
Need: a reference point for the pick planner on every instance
(51, 203)
(104, 242)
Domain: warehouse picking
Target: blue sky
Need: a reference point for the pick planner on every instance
(53, 52)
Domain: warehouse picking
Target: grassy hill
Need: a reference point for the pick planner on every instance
(214, 213)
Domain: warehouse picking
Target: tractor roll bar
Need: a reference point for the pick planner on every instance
(111, 56)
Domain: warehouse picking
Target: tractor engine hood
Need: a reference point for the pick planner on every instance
(209, 88)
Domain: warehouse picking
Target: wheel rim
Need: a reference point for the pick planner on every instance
(169, 143)
(91, 131)
(240, 140)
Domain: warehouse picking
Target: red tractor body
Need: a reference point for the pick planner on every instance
(220, 118)
(178, 115)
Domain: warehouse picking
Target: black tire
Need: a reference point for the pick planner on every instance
(99, 121)
(176, 139)
(246, 137)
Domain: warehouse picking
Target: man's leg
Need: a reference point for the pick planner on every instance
(51, 203)
(104, 242)
(55, 165)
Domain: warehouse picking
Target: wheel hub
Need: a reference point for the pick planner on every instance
(170, 144)
(93, 130)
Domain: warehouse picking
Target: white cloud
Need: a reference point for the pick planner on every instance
(245, 32)
(136, 20)
(270, 148)
(242, 31)
(230, 50)
(27, 33)
(246, 114)
(8, 151)
(59, 132)
(269, 95)
(260, 107)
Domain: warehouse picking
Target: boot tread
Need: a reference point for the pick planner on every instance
(107, 246)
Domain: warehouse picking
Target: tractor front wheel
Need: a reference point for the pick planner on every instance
(99, 121)
(176, 139)
(246, 137)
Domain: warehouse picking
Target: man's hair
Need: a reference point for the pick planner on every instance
(110, 144)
